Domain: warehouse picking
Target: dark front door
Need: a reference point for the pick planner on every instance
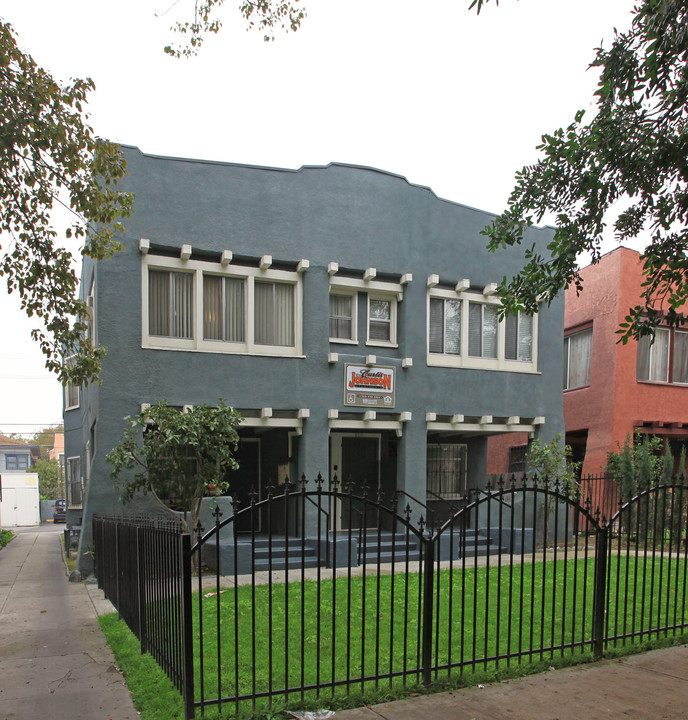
(360, 468)
(244, 480)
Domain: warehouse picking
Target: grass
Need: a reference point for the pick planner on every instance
(5, 537)
(483, 617)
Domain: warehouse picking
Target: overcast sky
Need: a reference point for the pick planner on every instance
(428, 90)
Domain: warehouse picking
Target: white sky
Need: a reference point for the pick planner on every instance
(423, 88)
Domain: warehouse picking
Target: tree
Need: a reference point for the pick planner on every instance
(49, 481)
(554, 460)
(45, 439)
(177, 457)
(265, 15)
(49, 156)
(633, 149)
(636, 465)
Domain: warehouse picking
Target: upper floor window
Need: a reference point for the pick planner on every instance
(663, 358)
(381, 320)
(17, 462)
(200, 305)
(343, 316)
(466, 331)
(170, 303)
(70, 394)
(482, 330)
(445, 326)
(577, 359)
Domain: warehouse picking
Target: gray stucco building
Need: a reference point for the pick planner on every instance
(349, 315)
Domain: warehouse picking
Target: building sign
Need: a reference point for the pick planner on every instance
(369, 386)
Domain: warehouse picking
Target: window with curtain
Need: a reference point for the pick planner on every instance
(518, 337)
(577, 359)
(445, 326)
(482, 330)
(653, 357)
(273, 313)
(341, 317)
(170, 304)
(380, 320)
(680, 364)
(224, 308)
(446, 470)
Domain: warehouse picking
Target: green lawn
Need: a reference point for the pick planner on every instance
(483, 619)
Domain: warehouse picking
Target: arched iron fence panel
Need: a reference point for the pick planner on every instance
(301, 604)
(647, 564)
(514, 578)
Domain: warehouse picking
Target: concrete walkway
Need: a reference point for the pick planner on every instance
(54, 661)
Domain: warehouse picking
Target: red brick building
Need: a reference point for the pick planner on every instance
(612, 389)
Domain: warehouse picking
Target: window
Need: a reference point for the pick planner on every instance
(482, 330)
(446, 470)
(16, 462)
(577, 359)
(74, 482)
(224, 314)
(663, 358)
(170, 304)
(274, 313)
(343, 316)
(518, 341)
(381, 321)
(207, 306)
(517, 458)
(445, 326)
(71, 393)
(464, 330)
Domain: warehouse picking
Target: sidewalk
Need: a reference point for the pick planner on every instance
(651, 686)
(54, 661)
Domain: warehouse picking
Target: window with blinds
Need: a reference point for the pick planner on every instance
(170, 304)
(224, 314)
(445, 326)
(341, 317)
(518, 337)
(380, 320)
(273, 313)
(482, 330)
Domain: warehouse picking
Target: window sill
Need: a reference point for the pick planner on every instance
(223, 351)
(474, 363)
(578, 387)
(343, 341)
(380, 343)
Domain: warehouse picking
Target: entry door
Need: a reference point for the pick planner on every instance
(244, 479)
(357, 459)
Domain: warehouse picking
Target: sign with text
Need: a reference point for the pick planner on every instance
(369, 386)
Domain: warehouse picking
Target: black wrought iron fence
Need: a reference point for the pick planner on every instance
(361, 591)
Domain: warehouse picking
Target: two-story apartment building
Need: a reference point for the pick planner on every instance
(349, 315)
(613, 389)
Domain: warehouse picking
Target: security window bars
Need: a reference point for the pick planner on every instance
(577, 359)
(170, 304)
(341, 317)
(518, 339)
(445, 326)
(482, 330)
(224, 314)
(446, 470)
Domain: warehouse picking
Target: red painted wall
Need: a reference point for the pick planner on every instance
(615, 402)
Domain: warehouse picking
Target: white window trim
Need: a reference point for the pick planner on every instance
(464, 360)
(392, 299)
(341, 290)
(65, 392)
(249, 274)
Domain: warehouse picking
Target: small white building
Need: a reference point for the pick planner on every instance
(19, 495)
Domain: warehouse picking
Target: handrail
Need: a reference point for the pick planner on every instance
(327, 527)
